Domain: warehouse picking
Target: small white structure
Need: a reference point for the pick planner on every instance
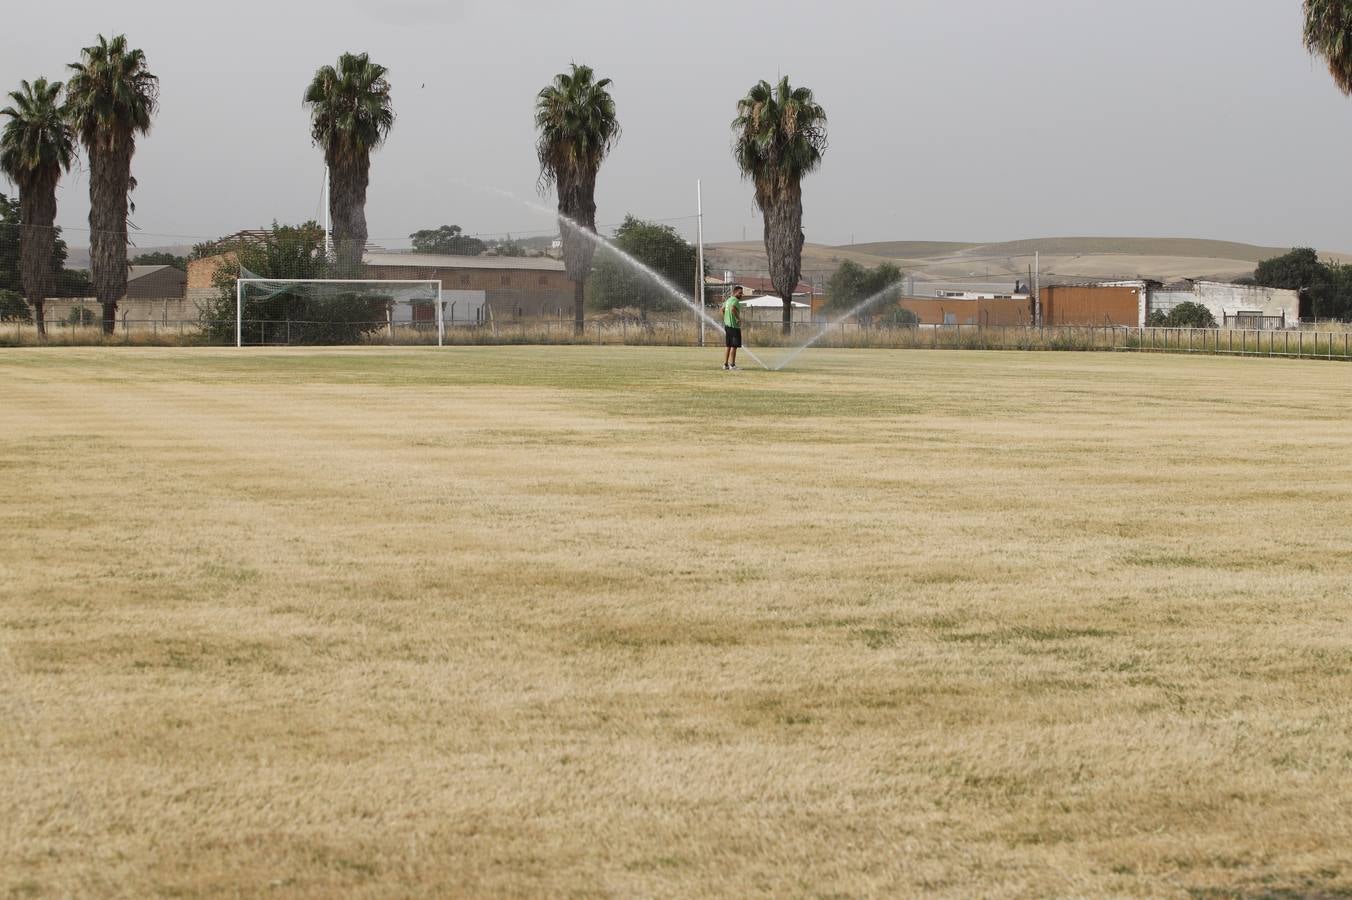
(770, 308)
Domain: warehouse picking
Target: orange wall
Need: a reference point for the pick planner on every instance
(968, 312)
(1068, 305)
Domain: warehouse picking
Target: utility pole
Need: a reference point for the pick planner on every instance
(1037, 288)
(699, 275)
(328, 245)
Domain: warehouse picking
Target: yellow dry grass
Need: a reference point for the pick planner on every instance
(608, 621)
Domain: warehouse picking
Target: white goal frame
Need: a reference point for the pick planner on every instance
(239, 297)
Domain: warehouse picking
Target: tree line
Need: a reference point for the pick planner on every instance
(111, 97)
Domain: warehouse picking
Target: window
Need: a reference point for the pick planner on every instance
(950, 318)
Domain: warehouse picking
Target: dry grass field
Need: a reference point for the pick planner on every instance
(583, 621)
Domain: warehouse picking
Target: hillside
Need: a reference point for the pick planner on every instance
(1062, 258)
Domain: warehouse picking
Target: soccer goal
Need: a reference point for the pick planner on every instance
(281, 311)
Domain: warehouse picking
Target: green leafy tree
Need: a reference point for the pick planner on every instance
(111, 98)
(298, 314)
(36, 147)
(161, 258)
(507, 247)
(780, 138)
(870, 293)
(448, 240)
(615, 284)
(350, 116)
(12, 307)
(577, 125)
(68, 282)
(1325, 288)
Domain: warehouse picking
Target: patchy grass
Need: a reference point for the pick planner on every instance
(580, 621)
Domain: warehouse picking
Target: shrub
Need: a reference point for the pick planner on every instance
(13, 308)
(82, 315)
(1190, 315)
(899, 317)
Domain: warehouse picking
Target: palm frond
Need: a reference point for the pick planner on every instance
(1328, 33)
(37, 144)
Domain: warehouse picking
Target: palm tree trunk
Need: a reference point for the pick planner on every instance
(109, 180)
(349, 179)
(37, 242)
(579, 297)
(577, 214)
(781, 203)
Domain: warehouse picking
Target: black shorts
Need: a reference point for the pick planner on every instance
(732, 337)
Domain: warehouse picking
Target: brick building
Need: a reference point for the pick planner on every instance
(512, 287)
(501, 288)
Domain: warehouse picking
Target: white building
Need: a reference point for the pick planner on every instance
(1232, 305)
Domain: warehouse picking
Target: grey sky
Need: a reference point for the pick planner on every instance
(984, 120)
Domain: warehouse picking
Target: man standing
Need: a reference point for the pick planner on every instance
(732, 328)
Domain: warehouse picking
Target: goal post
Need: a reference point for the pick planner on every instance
(272, 311)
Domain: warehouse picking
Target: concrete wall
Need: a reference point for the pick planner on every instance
(135, 313)
(772, 314)
(1226, 301)
(1165, 300)
(1092, 305)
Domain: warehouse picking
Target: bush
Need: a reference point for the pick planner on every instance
(1191, 315)
(1158, 318)
(82, 315)
(13, 308)
(899, 317)
(300, 314)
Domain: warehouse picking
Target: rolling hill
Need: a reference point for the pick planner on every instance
(1062, 258)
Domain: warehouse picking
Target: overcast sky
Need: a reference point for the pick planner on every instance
(978, 121)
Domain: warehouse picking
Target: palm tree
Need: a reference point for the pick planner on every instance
(35, 148)
(780, 137)
(110, 99)
(1328, 32)
(575, 116)
(350, 116)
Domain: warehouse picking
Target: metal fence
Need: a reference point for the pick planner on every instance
(683, 332)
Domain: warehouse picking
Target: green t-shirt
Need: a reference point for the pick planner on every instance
(732, 312)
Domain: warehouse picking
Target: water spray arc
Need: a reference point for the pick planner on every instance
(646, 270)
(655, 276)
(826, 329)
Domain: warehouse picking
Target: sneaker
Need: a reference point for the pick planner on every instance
(725, 367)
(734, 368)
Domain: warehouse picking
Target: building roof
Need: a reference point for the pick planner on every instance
(772, 302)
(437, 261)
(135, 272)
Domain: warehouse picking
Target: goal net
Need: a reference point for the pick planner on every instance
(273, 311)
